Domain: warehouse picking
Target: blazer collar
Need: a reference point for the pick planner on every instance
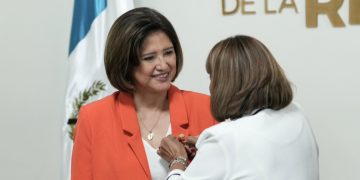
(128, 118)
(131, 130)
(178, 114)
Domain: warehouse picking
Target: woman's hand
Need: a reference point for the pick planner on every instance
(190, 146)
(191, 140)
(170, 148)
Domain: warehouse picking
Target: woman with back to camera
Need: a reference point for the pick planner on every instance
(263, 134)
(117, 136)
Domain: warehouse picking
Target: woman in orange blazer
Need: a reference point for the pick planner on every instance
(117, 137)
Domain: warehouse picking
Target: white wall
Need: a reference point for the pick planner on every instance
(322, 62)
(34, 36)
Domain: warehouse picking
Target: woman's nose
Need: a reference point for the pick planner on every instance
(161, 63)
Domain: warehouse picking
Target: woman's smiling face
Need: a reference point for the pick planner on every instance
(157, 66)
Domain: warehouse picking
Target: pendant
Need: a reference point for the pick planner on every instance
(150, 136)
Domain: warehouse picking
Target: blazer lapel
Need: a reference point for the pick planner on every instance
(178, 115)
(131, 129)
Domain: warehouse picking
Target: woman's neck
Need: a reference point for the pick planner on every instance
(150, 101)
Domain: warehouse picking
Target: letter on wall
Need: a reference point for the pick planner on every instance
(227, 12)
(314, 8)
(354, 12)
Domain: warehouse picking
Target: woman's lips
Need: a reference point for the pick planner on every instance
(161, 77)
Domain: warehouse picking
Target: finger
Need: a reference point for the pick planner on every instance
(191, 140)
(164, 154)
(170, 136)
(164, 147)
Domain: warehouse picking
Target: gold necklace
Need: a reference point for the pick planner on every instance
(150, 135)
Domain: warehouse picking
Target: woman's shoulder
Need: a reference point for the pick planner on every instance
(267, 123)
(216, 132)
(195, 96)
(101, 104)
(188, 93)
(99, 114)
(192, 100)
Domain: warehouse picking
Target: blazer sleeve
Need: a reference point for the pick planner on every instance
(81, 165)
(208, 164)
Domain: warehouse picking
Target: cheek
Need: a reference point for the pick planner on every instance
(145, 68)
(172, 63)
(139, 73)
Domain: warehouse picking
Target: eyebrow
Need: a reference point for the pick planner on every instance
(152, 53)
(169, 48)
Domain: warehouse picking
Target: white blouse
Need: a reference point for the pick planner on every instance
(158, 166)
(271, 145)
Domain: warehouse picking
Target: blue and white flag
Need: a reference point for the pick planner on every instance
(92, 20)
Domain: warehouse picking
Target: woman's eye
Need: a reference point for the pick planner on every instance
(170, 52)
(148, 58)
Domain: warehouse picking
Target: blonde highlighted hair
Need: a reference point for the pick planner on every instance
(245, 77)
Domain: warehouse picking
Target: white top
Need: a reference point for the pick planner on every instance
(270, 145)
(158, 166)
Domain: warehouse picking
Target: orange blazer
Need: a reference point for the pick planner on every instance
(107, 139)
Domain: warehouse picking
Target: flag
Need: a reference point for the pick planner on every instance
(87, 82)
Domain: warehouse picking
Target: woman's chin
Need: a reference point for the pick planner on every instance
(163, 87)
